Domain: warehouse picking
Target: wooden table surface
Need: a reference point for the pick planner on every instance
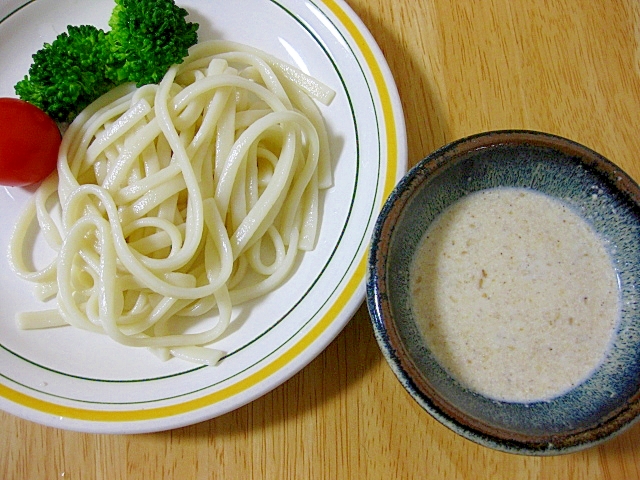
(462, 67)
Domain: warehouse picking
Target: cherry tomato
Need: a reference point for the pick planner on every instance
(29, 143)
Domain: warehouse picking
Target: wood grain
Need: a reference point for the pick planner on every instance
(565, 67)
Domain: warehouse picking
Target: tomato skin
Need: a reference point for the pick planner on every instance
(29, 143)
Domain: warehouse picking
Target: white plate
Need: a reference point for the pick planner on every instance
(81, 381)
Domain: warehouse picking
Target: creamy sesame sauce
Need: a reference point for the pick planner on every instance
(515, 294)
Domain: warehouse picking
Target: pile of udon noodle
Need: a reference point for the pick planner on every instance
(180, 200)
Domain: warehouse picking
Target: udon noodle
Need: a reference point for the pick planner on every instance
(180, 200)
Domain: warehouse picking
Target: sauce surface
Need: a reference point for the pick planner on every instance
(515, 294)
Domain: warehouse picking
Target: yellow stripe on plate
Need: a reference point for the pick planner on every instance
(385, 96)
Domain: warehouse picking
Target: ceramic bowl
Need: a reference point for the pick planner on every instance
(592, 412)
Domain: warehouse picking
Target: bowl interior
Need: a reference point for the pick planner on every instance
(603, 195)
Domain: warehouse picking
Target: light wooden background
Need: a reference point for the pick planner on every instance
(462, 67)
